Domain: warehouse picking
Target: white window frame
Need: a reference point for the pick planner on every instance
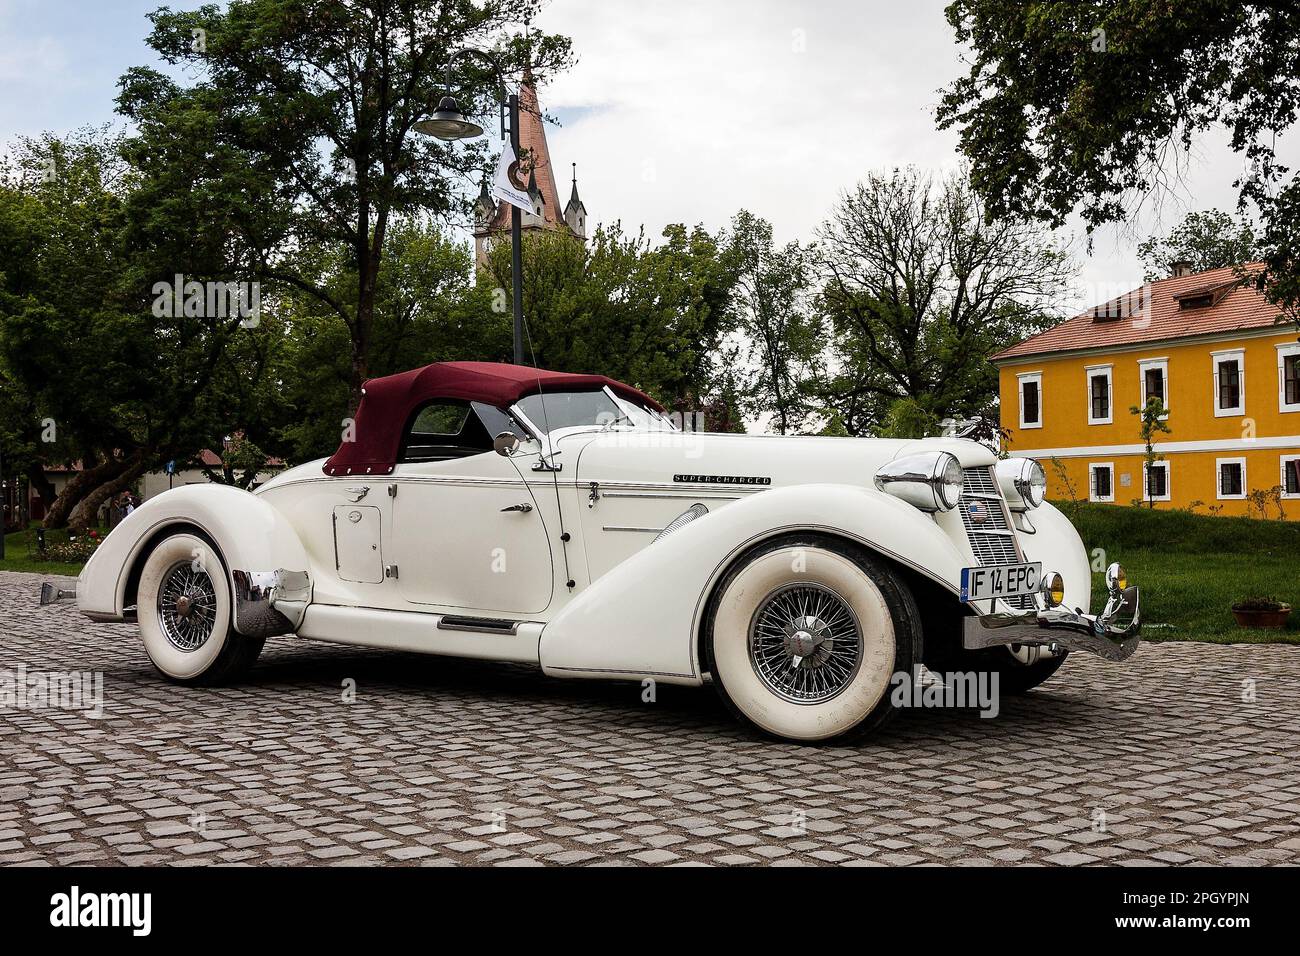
(1284, 351)
(1217, 359)
(1145, 365)
(1097, 465)
(1146, 488)
(1218, 479)
(1036, 378)
(1098, 371)
(1286, 464)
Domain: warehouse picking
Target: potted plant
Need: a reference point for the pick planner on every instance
(1261, 612)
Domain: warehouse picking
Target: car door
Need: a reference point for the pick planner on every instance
(466, 531)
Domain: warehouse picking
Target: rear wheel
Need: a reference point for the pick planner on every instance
(805, 634)
(184, 607)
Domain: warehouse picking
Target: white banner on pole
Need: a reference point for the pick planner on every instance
(510, 184)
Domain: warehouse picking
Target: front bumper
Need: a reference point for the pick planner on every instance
(1112, 634)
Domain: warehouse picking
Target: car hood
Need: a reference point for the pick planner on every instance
(643, 457)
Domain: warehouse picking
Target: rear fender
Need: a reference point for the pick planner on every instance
(264, 559)
(642, 618)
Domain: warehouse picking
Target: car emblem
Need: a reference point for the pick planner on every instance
(354, 516)
(978, 513)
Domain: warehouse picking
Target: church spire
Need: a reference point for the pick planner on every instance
(535, 156)
(575, 213)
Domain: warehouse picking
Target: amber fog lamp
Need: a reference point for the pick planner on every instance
(1116, 578)
(1053, 588)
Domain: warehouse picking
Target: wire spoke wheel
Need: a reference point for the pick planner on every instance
(187, 607)
(805, 643)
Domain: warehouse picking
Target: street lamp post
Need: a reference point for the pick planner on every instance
(450, 123)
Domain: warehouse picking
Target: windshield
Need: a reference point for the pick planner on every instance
(556, 410)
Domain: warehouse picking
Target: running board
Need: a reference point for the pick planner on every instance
(483, 625)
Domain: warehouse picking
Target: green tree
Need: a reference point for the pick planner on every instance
(782, 337)
(918, 289)
(1152, 418)
(1090, 105)
(426, 310)
(908, 418)
(1208, 240)
(305, 110)
(652, 316)
(110, 379)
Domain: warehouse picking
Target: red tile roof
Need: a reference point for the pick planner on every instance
(1153, 313)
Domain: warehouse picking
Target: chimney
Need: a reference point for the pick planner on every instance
(1180, 267)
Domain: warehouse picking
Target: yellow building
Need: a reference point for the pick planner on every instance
(1213, 350)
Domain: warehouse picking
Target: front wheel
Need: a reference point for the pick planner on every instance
(185, 612)
(805, 634)
(1022, 667)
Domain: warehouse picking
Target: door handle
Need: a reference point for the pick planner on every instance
(522, 508)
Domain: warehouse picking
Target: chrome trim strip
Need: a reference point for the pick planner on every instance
(268, 603)
(617, 527)
(630, 494)
(479, 625)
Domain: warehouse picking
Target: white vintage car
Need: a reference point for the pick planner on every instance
(511, 514)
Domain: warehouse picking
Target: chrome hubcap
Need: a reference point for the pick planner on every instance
(187, 607)
(805, 643)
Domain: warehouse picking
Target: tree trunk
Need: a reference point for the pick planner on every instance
(41, 482)
(83, 515)
(360, 372)
(81, 484)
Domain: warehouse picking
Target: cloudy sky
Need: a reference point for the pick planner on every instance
(677, 110)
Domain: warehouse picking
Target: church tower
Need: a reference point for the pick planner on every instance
(575, 213)
(492, 219)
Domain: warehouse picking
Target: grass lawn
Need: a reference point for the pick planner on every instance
(20, 545)
(1192, 568)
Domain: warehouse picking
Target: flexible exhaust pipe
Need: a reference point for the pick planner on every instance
(53, 594)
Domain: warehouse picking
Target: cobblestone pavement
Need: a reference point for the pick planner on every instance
(1159, 761)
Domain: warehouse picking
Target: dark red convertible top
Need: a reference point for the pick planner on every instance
(388, 403)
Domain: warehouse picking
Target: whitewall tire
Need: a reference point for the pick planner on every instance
(184, 608)
(805, 635)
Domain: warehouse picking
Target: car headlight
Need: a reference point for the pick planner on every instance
(1023, 482)
(931, 481)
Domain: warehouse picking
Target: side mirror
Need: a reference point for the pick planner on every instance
(505, 444)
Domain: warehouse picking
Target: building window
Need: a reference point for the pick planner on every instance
(1156, 480)
(1031, 399)
(1232, 478)
(1288, 376)
(1290, 476)
(1099, 395)
(1101, 482)
(1155, 381)
(1229, 383)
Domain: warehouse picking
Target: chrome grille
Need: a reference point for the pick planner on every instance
(992, 540)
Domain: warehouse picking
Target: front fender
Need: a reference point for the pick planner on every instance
(642, 618)
(1057, 544)
(253, 537)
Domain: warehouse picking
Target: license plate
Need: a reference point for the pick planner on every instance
(1000, 581)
